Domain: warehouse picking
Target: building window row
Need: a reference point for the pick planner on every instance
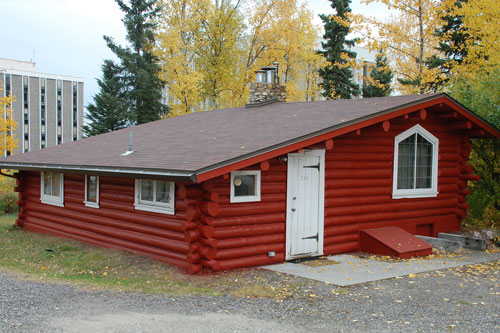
(75, 111)
(43, 113)
(8, 92)
(59, 111)
(26, 114)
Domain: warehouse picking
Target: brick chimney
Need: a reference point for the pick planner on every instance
(266, 89)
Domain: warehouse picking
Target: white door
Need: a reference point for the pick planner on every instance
(305, 204)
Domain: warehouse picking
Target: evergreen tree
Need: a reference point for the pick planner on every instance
(140, 67)
(380, 78)
(337, 78)
(452, 46)
(109, 111)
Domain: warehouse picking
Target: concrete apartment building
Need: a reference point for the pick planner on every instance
(48, 108)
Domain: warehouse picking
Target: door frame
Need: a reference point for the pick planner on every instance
(321, 202)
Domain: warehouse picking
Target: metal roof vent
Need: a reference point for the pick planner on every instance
(130, 150)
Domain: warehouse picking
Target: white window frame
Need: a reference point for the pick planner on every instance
(247, 198)
(52, 199)
(153, 206)
(416, 193)
(91, 203)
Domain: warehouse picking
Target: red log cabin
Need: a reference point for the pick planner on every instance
(259, 185)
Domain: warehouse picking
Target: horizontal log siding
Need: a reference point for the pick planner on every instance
(242, 234)
(358, 185)
(115, 224)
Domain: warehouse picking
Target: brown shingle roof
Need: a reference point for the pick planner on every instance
(202, 140)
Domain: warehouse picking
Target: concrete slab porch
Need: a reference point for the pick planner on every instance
(351, 269)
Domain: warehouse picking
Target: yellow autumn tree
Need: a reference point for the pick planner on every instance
(210, 49)
(480, 22)
(8, 141)
(408, 37)
(176, 51)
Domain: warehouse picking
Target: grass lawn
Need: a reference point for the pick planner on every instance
(48, 258)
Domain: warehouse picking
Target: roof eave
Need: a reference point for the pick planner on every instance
(184, 176)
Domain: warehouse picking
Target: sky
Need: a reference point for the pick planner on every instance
(65, 36)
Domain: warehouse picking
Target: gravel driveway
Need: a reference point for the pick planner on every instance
(464, 299)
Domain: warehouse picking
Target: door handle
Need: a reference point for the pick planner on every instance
(293, 209)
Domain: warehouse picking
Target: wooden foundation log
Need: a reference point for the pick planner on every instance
(241, 252)
(193, 258)
(257, 260)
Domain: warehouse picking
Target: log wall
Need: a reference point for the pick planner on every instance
(115, 224)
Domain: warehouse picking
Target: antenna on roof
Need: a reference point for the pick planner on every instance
(130, 150)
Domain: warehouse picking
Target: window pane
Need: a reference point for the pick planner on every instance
(244, 185)
(47, 183)
(92, 188)
(56, 184)
(163, 192)
(424, 163)
(146, 190)
(406, 163)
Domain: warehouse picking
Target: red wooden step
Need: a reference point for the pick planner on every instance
(393, 241)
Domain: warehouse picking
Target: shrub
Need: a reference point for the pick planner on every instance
(8, 202)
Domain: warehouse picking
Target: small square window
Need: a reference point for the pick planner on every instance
(245, 186)
(154, 196)
(91, 191)
(52, 188)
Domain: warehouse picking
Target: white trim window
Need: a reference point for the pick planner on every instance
(52, 188)
(91, 191)
(415, 164)
(245, 186)
(155, 196)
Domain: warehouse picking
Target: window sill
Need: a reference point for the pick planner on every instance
(155, 209)
(52, 202)
(410, 195)
(91, 204)
(245, 199)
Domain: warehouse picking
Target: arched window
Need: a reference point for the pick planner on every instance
(415, 164)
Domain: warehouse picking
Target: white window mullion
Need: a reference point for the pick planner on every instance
(415, 164)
